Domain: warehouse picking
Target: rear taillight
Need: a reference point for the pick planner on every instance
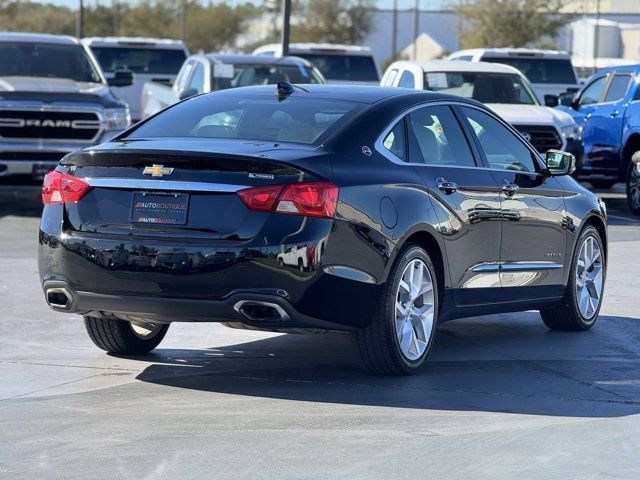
(308, 199)
(59, 187)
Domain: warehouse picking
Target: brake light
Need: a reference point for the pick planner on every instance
(308, 199)
(59, 187)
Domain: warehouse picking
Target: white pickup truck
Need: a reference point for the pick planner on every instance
(149, 59)
(501, 88)
(204, 73)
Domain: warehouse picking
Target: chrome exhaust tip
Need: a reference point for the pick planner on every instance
(59, 298)
(258, 311)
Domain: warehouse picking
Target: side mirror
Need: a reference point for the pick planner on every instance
(560, 163)
(551, 100)
(566, 99)
(187, 92)
(121, 78)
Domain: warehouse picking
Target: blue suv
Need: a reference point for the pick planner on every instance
(607, 108)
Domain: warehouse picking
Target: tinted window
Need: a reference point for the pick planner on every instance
(593, 92)
(394, 141)
(502, 148)
(484, 87)
(295, 119)
(355, 68)
(139, 60)
(539, 70)
(407, 80)
(46, 60)
(617, 88)
(231, 76)
(436, 138)
(197, 79)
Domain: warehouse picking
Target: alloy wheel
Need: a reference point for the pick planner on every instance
(145, 330)
(633, 187)
(414, 312)
(589, 273)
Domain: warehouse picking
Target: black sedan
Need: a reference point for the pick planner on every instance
(379, 211)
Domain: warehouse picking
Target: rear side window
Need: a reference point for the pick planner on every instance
(394, 141)
(436, 138)
(295, 119)
(617, 88)
(140, 59)
(407, 80)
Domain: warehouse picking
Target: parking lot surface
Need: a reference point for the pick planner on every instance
(500, 397)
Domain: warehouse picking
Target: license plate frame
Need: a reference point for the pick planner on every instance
(159, 208)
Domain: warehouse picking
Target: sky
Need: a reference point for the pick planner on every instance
(402, 4)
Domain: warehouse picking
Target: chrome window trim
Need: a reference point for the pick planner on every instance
(379, 147)
(163, 185)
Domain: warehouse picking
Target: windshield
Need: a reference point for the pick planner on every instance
(352, 68)
(231, 76)
(539, 70)
(262, 118)
(21, 59)
(140, 60)
(481, 86)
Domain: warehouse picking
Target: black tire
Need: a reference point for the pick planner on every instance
(633, 184)
(567, 316)
(603, 184)
(117, 336)
(378, 343)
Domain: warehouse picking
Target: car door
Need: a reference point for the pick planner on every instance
(533, 241)
(466, 199)
(605, 123)
(588, 102)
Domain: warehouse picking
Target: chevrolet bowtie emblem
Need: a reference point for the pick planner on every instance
(157, 170)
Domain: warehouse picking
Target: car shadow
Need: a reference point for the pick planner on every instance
(491, 364)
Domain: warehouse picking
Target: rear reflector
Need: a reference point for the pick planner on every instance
(308, 199)
(59, 187)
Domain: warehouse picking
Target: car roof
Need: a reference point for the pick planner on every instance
(458, 66)
(357, 93)
(133, 41)
(329, 48)
(254, 59)
(37, 37)
(515, 52)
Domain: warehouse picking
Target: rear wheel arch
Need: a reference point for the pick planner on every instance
(631, 146)
(597, 223)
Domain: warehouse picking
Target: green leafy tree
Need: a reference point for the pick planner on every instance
(333, 21)
(509, 23)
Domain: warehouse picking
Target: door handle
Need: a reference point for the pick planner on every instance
(587, 116)
(446, 186)
(510, 189)
(614, 114)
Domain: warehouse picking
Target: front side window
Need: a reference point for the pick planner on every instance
(593, 93)
(183, 76)
(47, 60)
(394, 141)
(503, 149)
(482, 86)
(407, 80)
(257, 117)
(617, 88)
(197, 79)
(436, 138)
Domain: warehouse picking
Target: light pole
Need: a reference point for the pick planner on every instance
(415, 30)
(80, 20)
(394, 30)
(183, 19)
(286, 26)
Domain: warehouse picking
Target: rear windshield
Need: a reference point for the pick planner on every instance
(539, 70)
(22, 59)
(232, 76)
(264, 118)
(353, 68)
(139, 59)
(481, 86)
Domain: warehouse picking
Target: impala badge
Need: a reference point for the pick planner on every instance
(157, 170)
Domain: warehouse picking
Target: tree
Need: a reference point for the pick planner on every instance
(509, 23)
(333, 21)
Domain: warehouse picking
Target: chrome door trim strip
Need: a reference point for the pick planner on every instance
(515, 267)
(166, 185)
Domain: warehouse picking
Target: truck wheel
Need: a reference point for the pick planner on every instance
(120, 336)
(579, 308)
(400, 335)
(633, 184)
(602, 184)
